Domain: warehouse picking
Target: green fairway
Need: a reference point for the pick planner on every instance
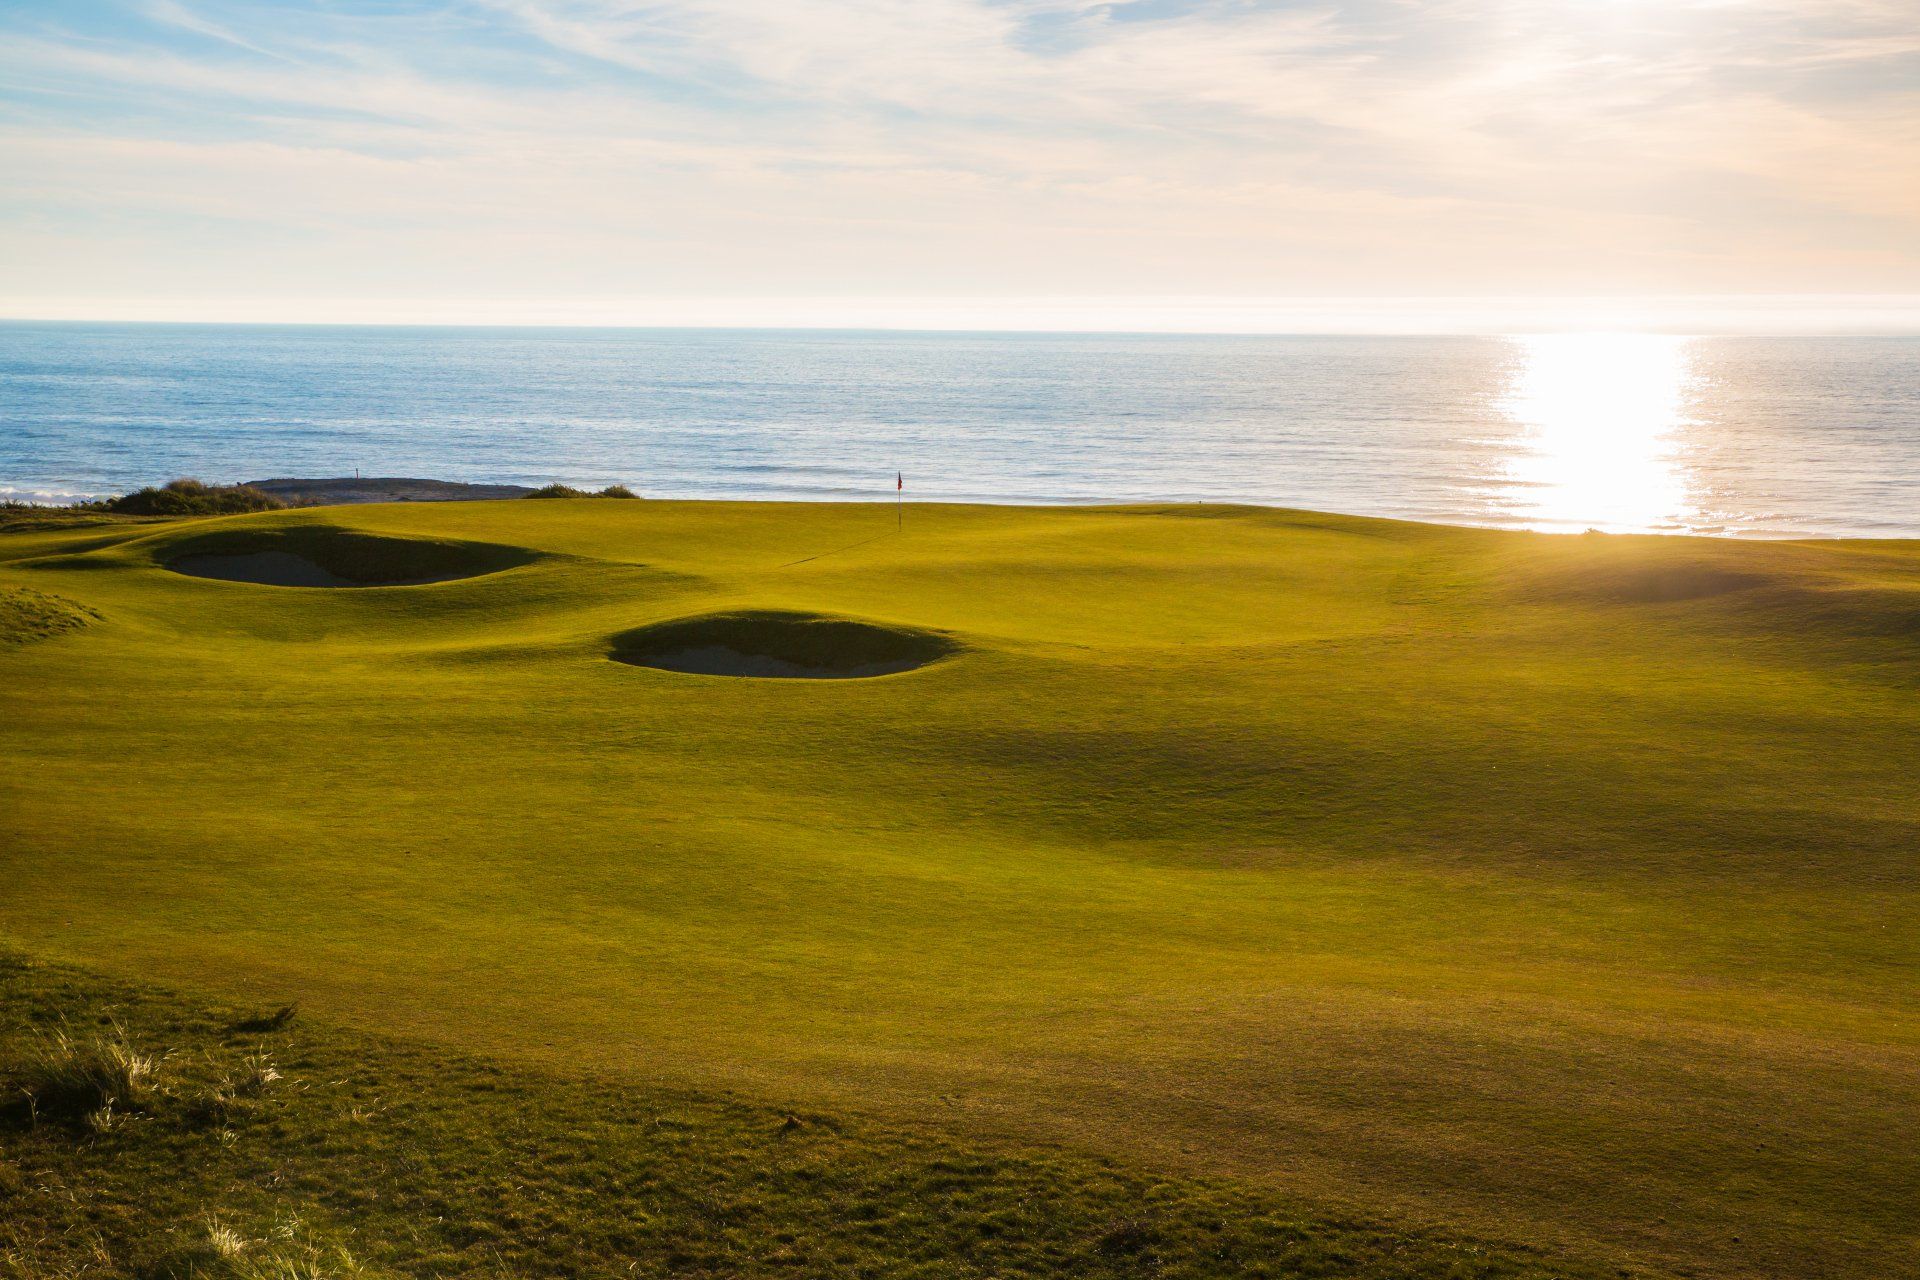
(1562, 891)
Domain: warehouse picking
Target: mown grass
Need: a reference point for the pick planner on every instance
(376, 1159)
(1558, 890)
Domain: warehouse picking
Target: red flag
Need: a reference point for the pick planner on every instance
(899, 480)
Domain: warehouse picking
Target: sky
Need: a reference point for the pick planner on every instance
(1412, 165)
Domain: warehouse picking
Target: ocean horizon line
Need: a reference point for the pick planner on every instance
(1690, 315)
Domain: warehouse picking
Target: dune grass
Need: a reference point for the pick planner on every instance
(1559, 891)
(27, 615)
(81, 1076)
(375, 1159)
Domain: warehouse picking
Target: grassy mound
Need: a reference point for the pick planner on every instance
(325, 556)
(309, 1151)
(774, 644)
(1867, 601)
(193, 498)
(1628, 570)
(27, 615)
(28, 517)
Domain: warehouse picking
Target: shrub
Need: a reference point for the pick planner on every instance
(186, 497)
(568, 491)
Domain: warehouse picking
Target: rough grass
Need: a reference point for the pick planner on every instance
(18, 517)
(82, 1076)
(27, 615)
(1559, 890)
(226, 1253)
(379, 1159)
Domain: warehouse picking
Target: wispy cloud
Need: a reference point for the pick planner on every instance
(647, 148)
(175, 14)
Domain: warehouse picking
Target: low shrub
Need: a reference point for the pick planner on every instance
(186, 497)
(568, 491)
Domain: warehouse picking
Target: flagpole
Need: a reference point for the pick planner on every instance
(899, 501)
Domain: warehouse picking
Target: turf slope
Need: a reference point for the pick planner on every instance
(1560, 890)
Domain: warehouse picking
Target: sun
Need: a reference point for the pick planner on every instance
(1602, 415)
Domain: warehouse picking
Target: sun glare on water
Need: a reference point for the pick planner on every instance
(1602, 418)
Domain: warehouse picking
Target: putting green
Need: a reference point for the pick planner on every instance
(1561, 889)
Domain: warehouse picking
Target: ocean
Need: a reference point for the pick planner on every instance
(1762, 437)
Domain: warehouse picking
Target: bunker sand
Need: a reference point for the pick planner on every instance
(282, 569)
(781, 645)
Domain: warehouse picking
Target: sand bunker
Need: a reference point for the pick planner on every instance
(269, 568)
(776, 645)
(319, 556)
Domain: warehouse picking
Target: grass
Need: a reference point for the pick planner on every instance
(18, 517)
(379, 1159)
(82, 1077)
(1555, 891)
(27, 615)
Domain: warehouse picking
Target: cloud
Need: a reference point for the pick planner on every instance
(936, 146)
(174, 14)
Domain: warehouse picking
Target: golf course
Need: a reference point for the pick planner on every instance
(960, 891)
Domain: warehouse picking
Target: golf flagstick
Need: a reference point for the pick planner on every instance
(899, 500)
